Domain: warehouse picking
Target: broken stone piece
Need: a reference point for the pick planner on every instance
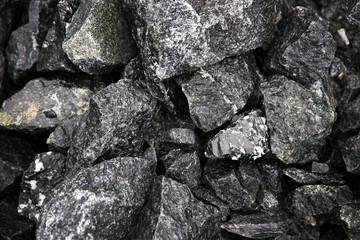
(305, 177)
(317, 167)
(350, 216)
(351, 154)
(354, 14)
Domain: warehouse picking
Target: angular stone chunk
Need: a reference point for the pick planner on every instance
(177, 36)
(305, 177)
(101, 202)
(43, 104)
(172, 212)
(119, 114)
(42, 176)
(350, 215)
(312, 200)
(351, 154)
(217, 92)
(354, 14)
(99, 42)
(317, 167)
(297, 118)
(305, 49)
(248, 136)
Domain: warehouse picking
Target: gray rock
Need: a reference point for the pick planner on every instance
(43, 104)
(101, 202)
(118, 117)
(317, 167)
(350, 216)
(217, 92)
(354, 15)
(297, 118)
(305, 49)
(249, 176)
(172, 212)
(305, 177)
(99, 42)
(42, 176)
(183, 138)
(351, 153)
(247, 137)
(272, 176)
(2, 71)
(310, 200)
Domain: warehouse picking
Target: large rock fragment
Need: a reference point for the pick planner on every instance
(351, 154)
(217, 92)
(305, 49)
(312, 200)
(101, 202)
(172, 212)
(248, 136)
(297, 118)
(350, 215)
(305, 177)
(119, 114)
(43, 104)
(99, 42)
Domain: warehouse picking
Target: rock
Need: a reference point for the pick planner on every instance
(42, 176)
(221, 177)
(249, 176)
(272, 176)
(350, 216)
(305, 177)
(183, 138)
(297, 118)
(2, 71)
(106, 35)
(43, 104)
(217, 92)
(172, 212)
(354, 15)
(317, 167)
(118, 117)
(304, 49)
(351, 153)
(101, 202)
(247, 137)
(310, 200)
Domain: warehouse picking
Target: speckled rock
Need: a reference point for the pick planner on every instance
(350, 216)
(101, 202)
(351, 154)
(217, 92)
(312, 200)
(354, 14)
(118, 117)
(304, 177)
(245, 137)
(43, 104)
(98, 42)
(42, 176)
(305, 49)
(297, 118)
(172, 212)
(317, 167)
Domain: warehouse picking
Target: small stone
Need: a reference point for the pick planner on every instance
(350, 216)
(247, 137)
(351, 154)
(317, 167)
(305, 177)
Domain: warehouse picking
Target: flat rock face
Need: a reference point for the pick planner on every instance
(177, 36)
(119, 114)
(172, 212)
(246, 137)
(43, 104)
(304, 177)
(296, 117)
(305, 49)
(98, 42)
(350, 215)
(101, 202)
(217, 92)
(351, 154)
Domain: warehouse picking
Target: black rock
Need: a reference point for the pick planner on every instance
(317, 167)
(183, 138)
(350, 216)
(305, 177)
(272, 176)
(101, 202)
(354, 14)
(351, 153)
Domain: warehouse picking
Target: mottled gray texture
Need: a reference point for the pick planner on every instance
(305, 48)
(43, 104)
(172, 212)
(101, 202)
(99, 42)
(312, 200)
(217, 92)
(297, 118)
(351, 154)
(354, 15)
(305, 177)
(119, 114)
(248, 136)
(317, 167)
(350, 216)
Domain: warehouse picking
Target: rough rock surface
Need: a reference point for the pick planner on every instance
(354, 14)
(248, 136)
(101, 202)
(296, 117)
(350, 215)
(317, 167)
(43, 104)
(305, 177)
(351, 154)
(305, 49)
(312, 200)
(119, 114)
(172, 212)
(98, 42)
(217, 92)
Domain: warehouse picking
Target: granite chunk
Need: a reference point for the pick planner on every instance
(304, 177)
(350, 216)
(351, 153)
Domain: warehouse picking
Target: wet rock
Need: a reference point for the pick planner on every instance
(247, 137)
(304, 50)
(101, 202)
(217, 92)
(221, 177)
(99, 42)
(312, 200)
(172, 212)
(43, 104)
(118, 117)
(351, 154)
(350, 216)
(42, 176)
(298, 119)
(317, 167)
(305, 177)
